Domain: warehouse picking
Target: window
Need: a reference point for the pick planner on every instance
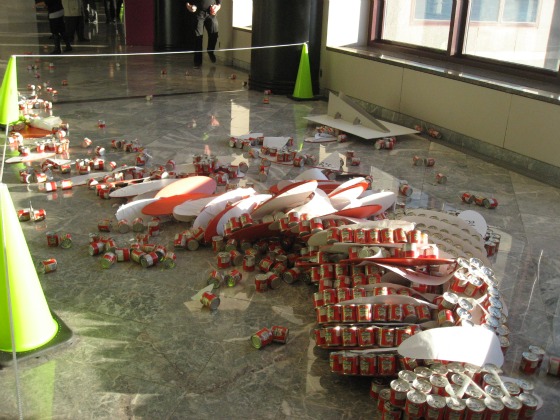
(418, 22)
(433, 9)
(523, 35)
(242, 13)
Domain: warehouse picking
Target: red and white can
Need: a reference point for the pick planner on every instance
(108, 260)
(123, 254)
(385, 337)
(529, 362)
(210, 300)
(223, 260)
(52, 239)
(261, 338)
(47, 266)
(279, 334)
(261, 283)
(387, 364)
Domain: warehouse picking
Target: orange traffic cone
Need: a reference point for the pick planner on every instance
(27, 326)
(9, 108)
(303, 89)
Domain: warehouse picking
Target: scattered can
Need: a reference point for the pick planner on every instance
(108, 260)
(405, 190)
(279, 334)
(47, 266)
(210, 300)
(261, 338)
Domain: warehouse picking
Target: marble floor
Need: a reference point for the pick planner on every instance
(141, 347)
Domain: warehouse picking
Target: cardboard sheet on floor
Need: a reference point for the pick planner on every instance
(349, 117)
(320, 138)
(475, 345)
(30, 132)
(277, 142)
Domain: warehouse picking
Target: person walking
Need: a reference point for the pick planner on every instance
(56, 24)
(74, 20)
(205, 12)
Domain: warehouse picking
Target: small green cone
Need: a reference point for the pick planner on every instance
(303, 88)
(9, 108)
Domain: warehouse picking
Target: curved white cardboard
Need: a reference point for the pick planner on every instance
(142, 187)
(132, 210)
(475, 345)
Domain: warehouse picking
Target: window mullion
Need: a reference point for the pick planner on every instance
(376, 24)
(457, 28)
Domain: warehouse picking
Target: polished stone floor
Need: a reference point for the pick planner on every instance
(142, 348)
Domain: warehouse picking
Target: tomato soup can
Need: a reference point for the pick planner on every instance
(47, 266)
(349, 336)
(108, 260)
(554, 366)
(368, 364)
(350, 363)
(385, 337)
(335, 361)
(366, 336)
(387, 364)
(399, 389)
(261, 338)
(333, 336)
(52, 239)
(279, 334)
(529, 362)
(261, 283)
(530, 405)
(414, 404)
(96, 248)
(123, 254)
(210, 300)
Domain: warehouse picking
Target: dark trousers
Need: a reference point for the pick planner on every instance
(204, 20)
(58, 29)
(110, 10)
(74, 26)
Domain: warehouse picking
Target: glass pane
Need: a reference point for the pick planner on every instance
(520, 11)
(527, 32)
(418, 22)
(484, 11)
(242, 13)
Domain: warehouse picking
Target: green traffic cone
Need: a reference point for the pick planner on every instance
(303, 88)
(35, 328)
(9, 108)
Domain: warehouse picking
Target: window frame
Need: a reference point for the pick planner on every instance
(456, 39)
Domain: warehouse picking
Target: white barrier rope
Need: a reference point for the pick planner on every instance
(154, 53)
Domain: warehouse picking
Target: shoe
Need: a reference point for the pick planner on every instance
(56, 51)
(212, 56)
(68, 48)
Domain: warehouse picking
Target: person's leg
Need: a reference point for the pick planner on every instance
(57, 29)
(81, 28)
(71, 24)
(198, 33)
(56, 41)
(211, 24)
